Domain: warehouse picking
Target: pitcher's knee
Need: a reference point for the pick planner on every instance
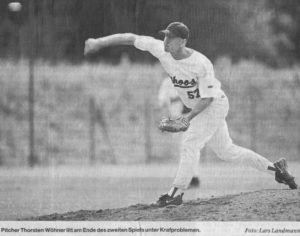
(188, 153)
(229, 153)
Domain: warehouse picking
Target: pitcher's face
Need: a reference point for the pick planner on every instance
(173, 44)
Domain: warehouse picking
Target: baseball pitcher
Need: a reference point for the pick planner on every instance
(192, 75)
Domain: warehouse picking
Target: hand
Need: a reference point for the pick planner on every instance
(91, 46)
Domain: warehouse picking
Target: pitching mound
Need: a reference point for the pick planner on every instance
(266, 205)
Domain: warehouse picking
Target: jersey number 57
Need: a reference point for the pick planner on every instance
(193, 94)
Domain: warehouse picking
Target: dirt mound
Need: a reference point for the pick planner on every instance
(266, 205)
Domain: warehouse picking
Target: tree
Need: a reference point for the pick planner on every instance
(260, 30)
(286, 26)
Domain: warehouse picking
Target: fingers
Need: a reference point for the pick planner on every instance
(86, 48)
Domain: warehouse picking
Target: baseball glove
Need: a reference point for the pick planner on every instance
(176, 125)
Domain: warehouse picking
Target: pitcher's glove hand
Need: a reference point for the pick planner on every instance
(176, 125)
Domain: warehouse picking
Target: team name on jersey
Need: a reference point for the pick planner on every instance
(183, 83)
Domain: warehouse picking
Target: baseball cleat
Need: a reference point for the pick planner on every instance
(166, 200)
(282, 175)
(195, 182)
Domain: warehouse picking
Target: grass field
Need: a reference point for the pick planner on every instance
(40, 191)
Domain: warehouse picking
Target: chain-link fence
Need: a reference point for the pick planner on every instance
(108, 114)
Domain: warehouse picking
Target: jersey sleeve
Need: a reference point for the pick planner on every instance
(150, 44)
(209, 86)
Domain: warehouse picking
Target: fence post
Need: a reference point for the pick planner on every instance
(147, 130)
(92, 129)
(253, 116)
(32, 158)
(100, 119)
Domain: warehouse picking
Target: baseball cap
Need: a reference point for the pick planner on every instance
(176, 29)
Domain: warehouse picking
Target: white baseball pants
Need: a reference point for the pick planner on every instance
(210, 128)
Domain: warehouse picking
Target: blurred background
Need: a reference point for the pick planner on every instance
(60, 111)
(57, 107)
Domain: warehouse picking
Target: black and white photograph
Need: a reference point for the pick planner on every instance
(149, 117)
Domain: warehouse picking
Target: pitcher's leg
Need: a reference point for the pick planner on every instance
(190, 155)
(221, 143)
(202, 128)
(195, 181)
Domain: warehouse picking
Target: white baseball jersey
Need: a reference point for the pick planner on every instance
(193, 77)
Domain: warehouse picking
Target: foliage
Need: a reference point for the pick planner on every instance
(267, 30)
(286, 26)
